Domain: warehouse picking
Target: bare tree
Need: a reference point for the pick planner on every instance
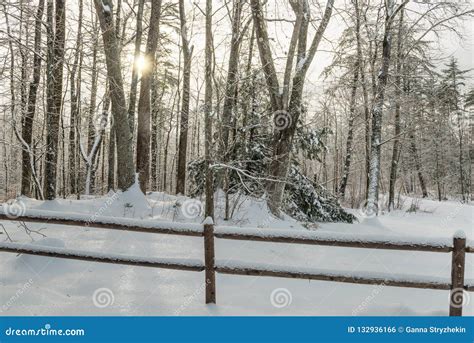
(112, 147)
(352, 106)
(376, 141)
(27, 129)
(55, 99)
(183, 128)
(134, 84)
(209, 212)
(125, 173)
(286, 105)
(144, 110)
(232, 77)
(75, 92)
(396, 141)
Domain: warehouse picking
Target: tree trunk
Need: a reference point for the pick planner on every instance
(365, 97)
(111, 160)
(461, 158)
(183, 129)
(27, 129)
(231, 83)
(437, 170)
(266, 58)
(126, 175)
(134, 83)
(156, 128)
(112, 146)
(144, 127)
(209, 212)
(230, 100)
(12, 97)
(283, 134)
(154, 132)
(24, 61)
(54, 101)
(396, 141)
(350, 133)
(352, 110)
(75, 92)
(377, 111)
(91, 119)
(416, 158)
(92, 158)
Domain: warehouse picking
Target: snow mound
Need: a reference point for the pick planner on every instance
(133, 202)
(130, 204)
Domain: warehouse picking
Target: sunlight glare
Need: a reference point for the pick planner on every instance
(141, 64)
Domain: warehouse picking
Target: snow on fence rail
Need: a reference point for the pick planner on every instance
(102, 222)
(237, 233)
(367, 278)
(165, 263)
(457, 246)
(334, 239)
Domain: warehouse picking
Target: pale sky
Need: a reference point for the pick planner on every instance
(280, 34)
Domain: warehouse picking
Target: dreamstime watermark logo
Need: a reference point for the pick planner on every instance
(47, 330)
(459, 298)
(282, 120)
(364, 304)
(102, 209)
(103, 297)
(281, 297)
(14, 209)
(198, 291)
(368, 211)
(16, 296)
(102, 119)
(191, 208)
(452, 215)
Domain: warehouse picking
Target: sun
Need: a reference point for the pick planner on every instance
(141, 64)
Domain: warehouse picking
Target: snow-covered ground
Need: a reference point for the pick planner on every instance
(32, 285)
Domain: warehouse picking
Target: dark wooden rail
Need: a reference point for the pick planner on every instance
(145, 226)
(458, 249)
(332, 276)
(366, 244)
(102, 258)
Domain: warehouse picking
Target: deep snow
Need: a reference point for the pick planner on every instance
(32, 285)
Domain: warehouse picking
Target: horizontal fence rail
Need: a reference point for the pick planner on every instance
(331, 276)
(208, 231)
(164, 263)
(347, 243)
(223, 232)
(110, 223)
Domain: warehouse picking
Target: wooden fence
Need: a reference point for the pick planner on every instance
(458, 250)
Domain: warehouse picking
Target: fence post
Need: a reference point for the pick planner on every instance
(457, 274)
(209, 260)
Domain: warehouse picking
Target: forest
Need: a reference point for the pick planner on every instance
(235, 95)
(331, 138)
